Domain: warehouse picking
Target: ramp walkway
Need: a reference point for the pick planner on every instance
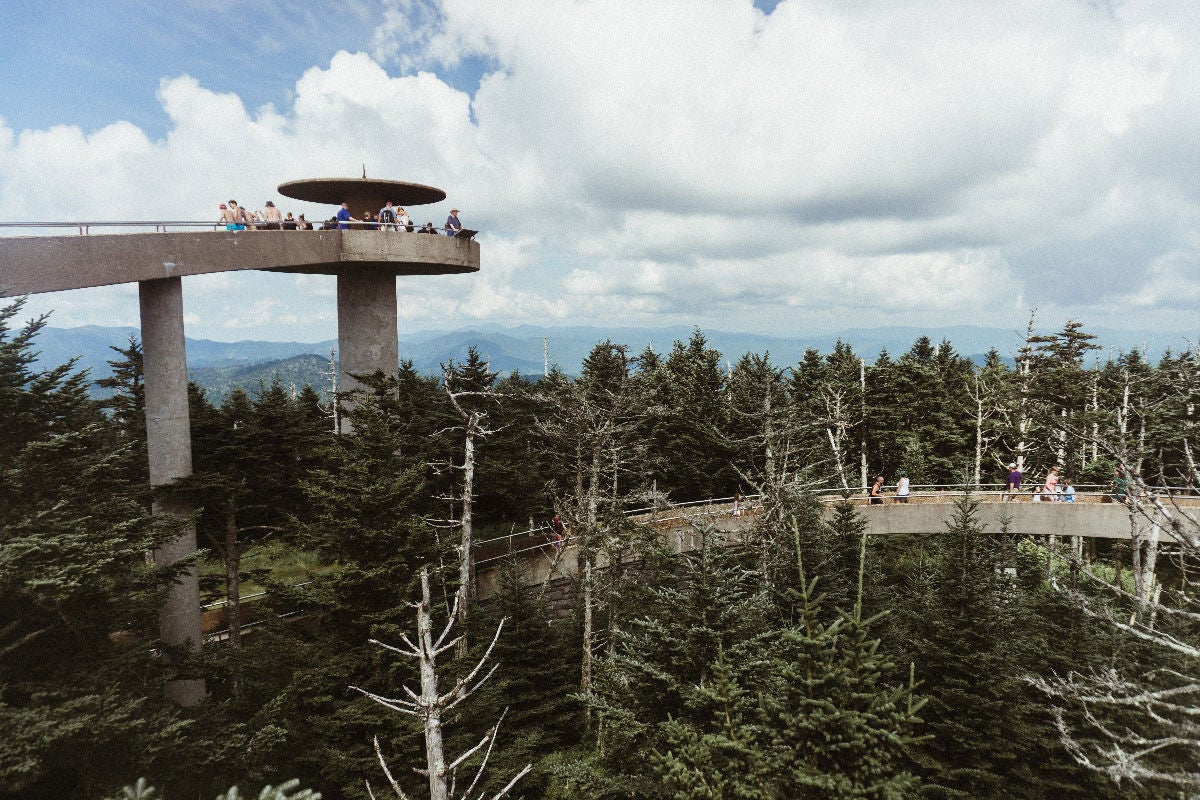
(1093, 515)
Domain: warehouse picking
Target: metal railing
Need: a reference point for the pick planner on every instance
(163, 226)
(674, 512)
(678, 512)
(84, 227)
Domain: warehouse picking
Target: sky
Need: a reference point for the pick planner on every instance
(786, 167)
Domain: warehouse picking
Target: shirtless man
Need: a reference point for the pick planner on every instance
(272, 217)
(227, 218)
(239, 216)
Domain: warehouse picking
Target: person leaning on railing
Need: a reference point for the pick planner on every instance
(272, 218)
(877, 491)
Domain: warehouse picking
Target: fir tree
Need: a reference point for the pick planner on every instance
(79, 679)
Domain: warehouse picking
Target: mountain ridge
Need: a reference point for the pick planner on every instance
(520, 348)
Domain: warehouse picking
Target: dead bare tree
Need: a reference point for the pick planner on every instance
(464, 387)
(332, 409)
(1144, 728)
(1018, 412)
(986, 391)
(839, 423)
(430, 706)
(1138, 730)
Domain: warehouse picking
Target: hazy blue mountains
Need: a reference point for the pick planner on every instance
(220, 366)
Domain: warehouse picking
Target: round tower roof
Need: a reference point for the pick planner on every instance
(361, 193)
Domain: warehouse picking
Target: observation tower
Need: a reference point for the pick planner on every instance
(366, 263)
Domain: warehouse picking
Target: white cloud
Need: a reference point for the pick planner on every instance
(701, 162)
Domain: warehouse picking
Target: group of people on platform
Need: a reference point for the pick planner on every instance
(391, 217)
(238, 218)
(902, 489)
(1053, 490)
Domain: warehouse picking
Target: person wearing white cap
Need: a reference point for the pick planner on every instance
(1014, 481)
(453, 226)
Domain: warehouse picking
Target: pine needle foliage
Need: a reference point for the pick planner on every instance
(77, 600)
(730, 699)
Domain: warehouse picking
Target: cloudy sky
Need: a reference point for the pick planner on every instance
(790, 167)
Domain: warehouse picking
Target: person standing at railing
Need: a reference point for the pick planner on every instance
(290, 223)
(272, 217)
(249, 218)
(387, 217)
(1050, 488)
(453, 226)
(1014, 482)
(737, 504)
(229, 216)
(343, 217)
(558, 531)
(1068, 491)
(1120, 487)
(239, 216)
(902, 488)
(403, 221)
(877, 491)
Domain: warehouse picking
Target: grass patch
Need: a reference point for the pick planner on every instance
(272, 559)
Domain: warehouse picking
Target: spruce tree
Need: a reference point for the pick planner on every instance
(80, 707)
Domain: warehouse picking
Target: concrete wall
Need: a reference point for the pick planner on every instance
(34, 264)
(1091, 520)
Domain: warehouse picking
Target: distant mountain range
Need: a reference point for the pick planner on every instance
(220, 366)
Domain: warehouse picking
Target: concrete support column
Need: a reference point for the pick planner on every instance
(169, 442)
(366, 306)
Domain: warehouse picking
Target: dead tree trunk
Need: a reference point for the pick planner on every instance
(466, 569)
(585, 676)
(473, 429)
(233, 594)
(862, 414)
(430, 706)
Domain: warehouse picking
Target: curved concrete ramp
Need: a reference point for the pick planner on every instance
(34, 264)
(1093, 520)
(1089, 518)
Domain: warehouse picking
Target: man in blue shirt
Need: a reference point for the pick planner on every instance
(453, 226)
(344, 217)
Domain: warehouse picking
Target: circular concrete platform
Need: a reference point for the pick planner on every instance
(361, 194)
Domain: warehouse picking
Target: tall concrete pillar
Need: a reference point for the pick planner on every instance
(366, 306)
(169, 442)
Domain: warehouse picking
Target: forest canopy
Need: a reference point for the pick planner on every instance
(794, 658)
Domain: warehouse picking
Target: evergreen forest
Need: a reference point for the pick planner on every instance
(802, 659)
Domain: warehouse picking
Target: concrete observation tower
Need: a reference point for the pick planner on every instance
(366, 263)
